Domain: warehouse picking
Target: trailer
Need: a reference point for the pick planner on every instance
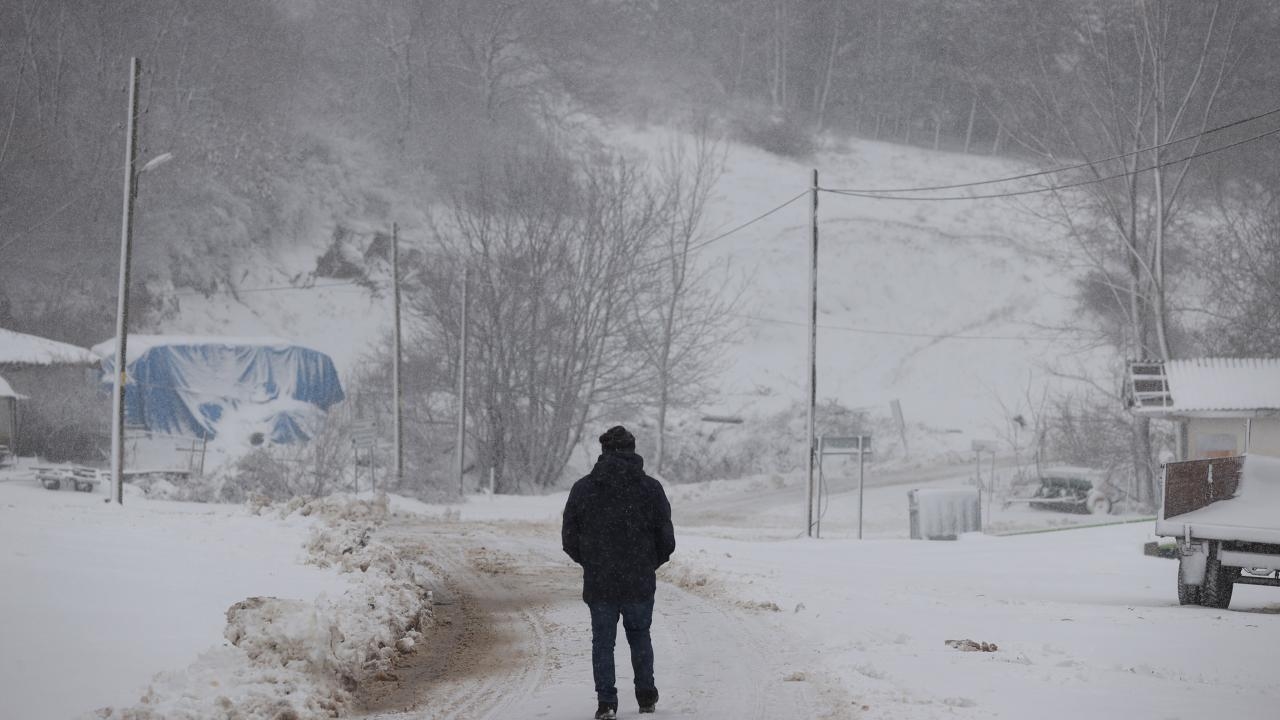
(1070, 489)
(74, 477)
(1225, 515)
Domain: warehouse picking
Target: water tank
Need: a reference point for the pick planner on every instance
(944, 513)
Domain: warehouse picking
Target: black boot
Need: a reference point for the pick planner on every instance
(607, 711)
(647, 699)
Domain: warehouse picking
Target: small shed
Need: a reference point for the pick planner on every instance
(1223, 406)
(8, 419)
(44, 394)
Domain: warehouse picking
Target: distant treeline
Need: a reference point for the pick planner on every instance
(284, 113)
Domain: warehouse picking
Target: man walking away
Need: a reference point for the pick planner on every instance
(617, 526)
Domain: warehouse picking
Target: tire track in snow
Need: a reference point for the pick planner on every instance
(524, 646)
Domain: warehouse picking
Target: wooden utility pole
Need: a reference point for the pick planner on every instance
(395, 363)
(813, 351)
(122, 299)
(462, 386)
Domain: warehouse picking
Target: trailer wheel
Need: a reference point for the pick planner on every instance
(1098, 503)
(1187, 594)
(52, 484)
(1219, 581)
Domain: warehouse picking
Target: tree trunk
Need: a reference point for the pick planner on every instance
(968, 132)
(820, 106)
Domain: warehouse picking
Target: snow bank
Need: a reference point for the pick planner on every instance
(296, 659)
(96, 598)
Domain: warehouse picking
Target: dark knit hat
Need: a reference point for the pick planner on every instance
(617, 438)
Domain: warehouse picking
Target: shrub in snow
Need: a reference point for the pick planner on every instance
(786, 136)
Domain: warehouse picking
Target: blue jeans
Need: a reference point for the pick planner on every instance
(636, 618)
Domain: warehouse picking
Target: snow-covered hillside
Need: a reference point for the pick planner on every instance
(975, 274)
(949, 307)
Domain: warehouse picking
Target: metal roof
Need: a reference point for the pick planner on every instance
(1205, 385)
(21, 349)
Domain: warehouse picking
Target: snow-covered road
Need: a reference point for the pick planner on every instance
(749, 625)
(513, 640)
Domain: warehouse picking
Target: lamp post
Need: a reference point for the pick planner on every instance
(122, 299)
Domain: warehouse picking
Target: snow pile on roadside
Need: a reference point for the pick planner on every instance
(295, 659)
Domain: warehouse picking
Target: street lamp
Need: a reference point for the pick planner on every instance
(122, 306)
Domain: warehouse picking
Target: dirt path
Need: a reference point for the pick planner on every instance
(512, 640)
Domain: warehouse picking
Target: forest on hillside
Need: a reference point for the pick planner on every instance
(287, 119)
(274, 108)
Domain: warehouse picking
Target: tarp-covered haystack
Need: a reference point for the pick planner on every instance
(241, 390)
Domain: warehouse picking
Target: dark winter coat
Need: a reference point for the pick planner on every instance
(617, 526)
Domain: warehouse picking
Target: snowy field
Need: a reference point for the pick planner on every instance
(1085, 625)
(975, 288)
(98, 598)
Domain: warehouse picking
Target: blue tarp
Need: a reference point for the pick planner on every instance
(193, 386)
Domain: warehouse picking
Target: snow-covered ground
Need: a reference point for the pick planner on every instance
(984, 278)
(176, 610)
(977, 287)
(97, 598)
(1085, 625)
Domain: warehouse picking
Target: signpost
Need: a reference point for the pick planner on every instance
(981, 447)
(364, 435)
(859, 445)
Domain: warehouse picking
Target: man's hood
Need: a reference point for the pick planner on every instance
(621, 462)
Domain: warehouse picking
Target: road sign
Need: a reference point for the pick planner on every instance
(984, 446)
(859, 445)
(364, 432)
(844, 444)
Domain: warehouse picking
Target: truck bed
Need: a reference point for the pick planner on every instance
(1241, 503)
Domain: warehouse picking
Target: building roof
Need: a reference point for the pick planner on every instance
(1205, 385)
(21, 349)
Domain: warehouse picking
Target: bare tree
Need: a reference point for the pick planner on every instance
(1131, 78)
(681, 319)
(550, 245)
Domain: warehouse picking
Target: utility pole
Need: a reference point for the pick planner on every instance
(863, 442)
(122, 300)
(395, 364)
(462, 385)
(813, 351)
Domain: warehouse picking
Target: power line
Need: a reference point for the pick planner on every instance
(704, 243)
(1065, 168)
(897, 333)
(528, 278)
(1051, 188)
(752, 221)
(267, 288)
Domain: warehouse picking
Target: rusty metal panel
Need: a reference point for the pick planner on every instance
(1189, 486)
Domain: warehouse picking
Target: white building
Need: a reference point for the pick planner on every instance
(48, 381)
(1223, 406)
